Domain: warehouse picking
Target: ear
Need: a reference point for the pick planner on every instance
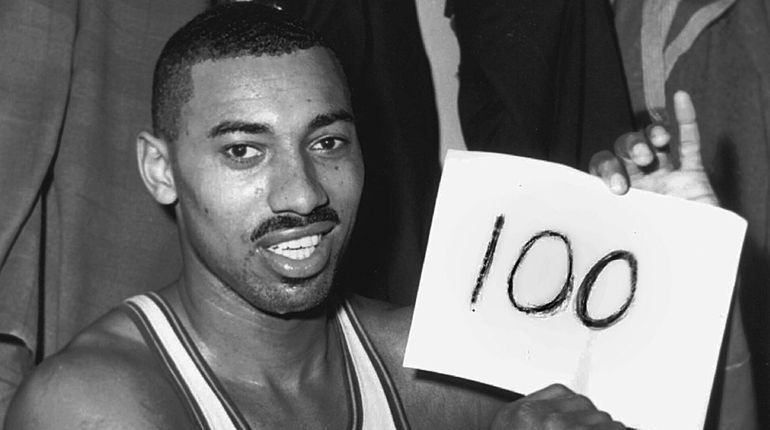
(154, 159)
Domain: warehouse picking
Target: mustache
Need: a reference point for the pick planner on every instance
(280, 222)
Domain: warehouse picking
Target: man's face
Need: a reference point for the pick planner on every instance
(268, 172)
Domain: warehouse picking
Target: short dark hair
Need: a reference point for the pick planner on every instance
(224, 31)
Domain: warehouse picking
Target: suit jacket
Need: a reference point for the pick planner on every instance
(540, 78)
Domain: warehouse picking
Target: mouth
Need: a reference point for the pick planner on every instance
(298, 253)
(297, 249)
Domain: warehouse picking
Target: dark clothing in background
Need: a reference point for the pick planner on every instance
(719, 52)
(540, 78)
(78, 231)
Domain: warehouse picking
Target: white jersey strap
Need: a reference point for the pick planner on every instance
(205, 399)
(382, 408)
(373, 400)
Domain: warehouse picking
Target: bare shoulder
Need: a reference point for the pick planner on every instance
(105, 378)
(431, 400)
(386, 324)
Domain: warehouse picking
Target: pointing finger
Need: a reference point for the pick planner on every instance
(689, 138)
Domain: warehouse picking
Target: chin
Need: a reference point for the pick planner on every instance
(291, 298)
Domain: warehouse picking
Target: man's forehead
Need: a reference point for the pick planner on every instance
(311, 71)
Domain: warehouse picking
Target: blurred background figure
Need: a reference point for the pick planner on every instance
(540, 78)
(77, 231)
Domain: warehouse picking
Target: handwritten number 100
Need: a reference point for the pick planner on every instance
(583, 291)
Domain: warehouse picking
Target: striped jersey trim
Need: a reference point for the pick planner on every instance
(369, 386)
(155, 344)
(349, 320)
(353, 392)
(170, 343)
(214, 383)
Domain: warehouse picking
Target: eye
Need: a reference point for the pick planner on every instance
(241, 153)
(328, 144)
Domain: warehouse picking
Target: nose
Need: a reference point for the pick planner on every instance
(295, 186)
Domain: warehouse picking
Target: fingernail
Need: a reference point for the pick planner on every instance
(617, 183)
(642, 153)
(658, 136)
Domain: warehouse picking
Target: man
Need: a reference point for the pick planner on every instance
(255, 146)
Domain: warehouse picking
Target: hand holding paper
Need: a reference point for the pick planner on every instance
(552, 408)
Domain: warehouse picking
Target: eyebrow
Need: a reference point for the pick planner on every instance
(226, 127)
(322, 120)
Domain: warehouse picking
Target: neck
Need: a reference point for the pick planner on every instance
(242, 343)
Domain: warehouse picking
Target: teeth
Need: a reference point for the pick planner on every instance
(298, 249)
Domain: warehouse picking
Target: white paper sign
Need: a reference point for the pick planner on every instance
(639, 288)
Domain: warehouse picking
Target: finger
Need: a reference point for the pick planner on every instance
(689, 138)
(633, 148)
(553, 391)
(658, 136)
(592, 418)
(608, 167)
(569, 404)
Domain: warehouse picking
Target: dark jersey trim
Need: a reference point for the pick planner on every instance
(394, 401)
(239, 421)
(355, 410)
(153, 342)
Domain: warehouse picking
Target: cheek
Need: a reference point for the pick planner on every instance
(347, 181)
(219, 210)
(207, 187)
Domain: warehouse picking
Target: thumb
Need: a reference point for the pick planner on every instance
(689, 137)
(553, 391)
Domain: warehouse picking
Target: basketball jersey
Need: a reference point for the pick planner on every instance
(373, 400)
